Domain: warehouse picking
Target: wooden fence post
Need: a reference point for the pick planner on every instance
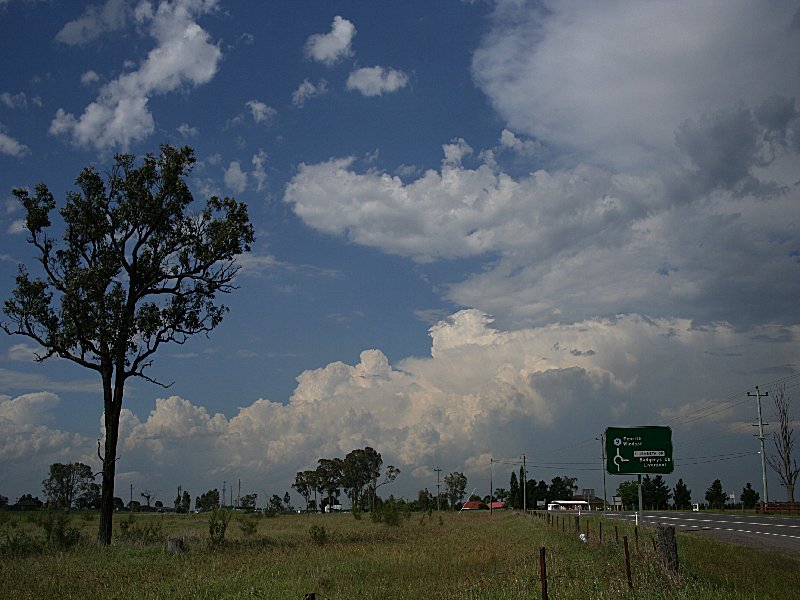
(667, 548)
(543, 572)
(627, 562)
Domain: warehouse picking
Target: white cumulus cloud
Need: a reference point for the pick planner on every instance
(262, 113)
(307, 90)
(183, 56)
(330, 48)
(235, 178)
(614, 81)
(97, 20)
(375, 81)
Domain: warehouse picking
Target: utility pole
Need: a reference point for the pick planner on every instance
(131, 502)
(239, 495)
(758, 395)
(491, 486)
(524, 487)
(223, 493)
(602, 439)
(438, 495)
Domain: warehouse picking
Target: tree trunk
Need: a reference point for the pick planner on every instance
(113, 407)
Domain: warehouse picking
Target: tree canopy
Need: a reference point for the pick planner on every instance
(66, 483)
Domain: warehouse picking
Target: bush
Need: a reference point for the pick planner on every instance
(248, 525)
(318, 535)
(387, 513)
(20, 544)
(217, 525)
(130, 531)
(58, 534)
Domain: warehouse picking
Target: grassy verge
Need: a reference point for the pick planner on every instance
(470, 555)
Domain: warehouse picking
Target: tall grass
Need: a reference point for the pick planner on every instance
(474, 555)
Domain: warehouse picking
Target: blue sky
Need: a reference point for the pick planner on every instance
(485, 229)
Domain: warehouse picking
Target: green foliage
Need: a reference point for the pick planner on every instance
(65, 482)
(207, 501)
(58, 533)
(629, 492)
(318, 534)
(560, 488)
(20, 543)
(456, 486)
(389, 513)
(655, 493)
(749, 496)
(144, 533)
(217, 526)
(715, 496)
(248, 525)
(515, 499)
(682, 496)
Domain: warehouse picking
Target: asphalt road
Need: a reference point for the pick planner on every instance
(776, 534)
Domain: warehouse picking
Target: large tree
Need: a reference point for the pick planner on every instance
(715, 496)
(655, 492)
(65, 483)
(138, 268)
(783, 463)
(359, 469)
(682, 496)
(749, 496)
(456, 485)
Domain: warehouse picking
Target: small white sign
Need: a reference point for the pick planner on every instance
(647, 453)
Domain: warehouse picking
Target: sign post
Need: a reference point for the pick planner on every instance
(639, 451)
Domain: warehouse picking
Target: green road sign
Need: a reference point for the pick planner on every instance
(638, 450)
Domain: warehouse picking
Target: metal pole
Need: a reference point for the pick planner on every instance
(759, 395)
(524, 487)
(491, 487)
(641, 509)
(438, 494)
(602, 439)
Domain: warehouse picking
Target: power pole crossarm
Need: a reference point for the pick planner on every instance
(758, 395)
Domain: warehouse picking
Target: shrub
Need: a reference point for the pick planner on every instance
(58, 534)
(19, 544)
(131, 531)
(217, 525)
(318, 535)
(387, 513)
(248, 525)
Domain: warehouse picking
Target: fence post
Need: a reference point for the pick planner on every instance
(601, 532)
(577, 524)
(636, 537)
(667, 548)
(543, 572)
(627, 562)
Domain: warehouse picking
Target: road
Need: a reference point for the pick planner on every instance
(777, 534)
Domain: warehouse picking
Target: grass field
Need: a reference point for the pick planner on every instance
(337, 557)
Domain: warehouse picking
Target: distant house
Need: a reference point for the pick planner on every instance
(474, 505)
(498, 505)
(594, 502)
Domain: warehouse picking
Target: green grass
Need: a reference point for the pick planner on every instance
(470, 555)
